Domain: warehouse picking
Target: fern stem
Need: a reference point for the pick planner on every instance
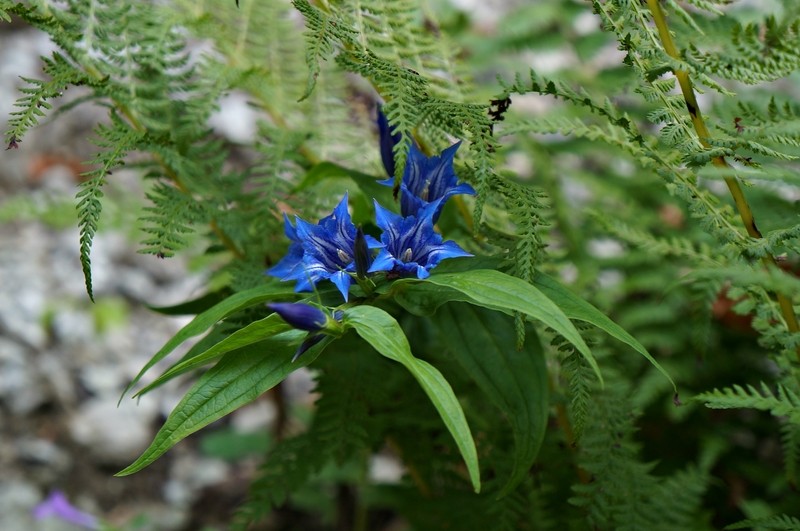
(562, 419)
(742, 206)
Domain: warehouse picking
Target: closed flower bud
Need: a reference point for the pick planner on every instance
(362, 254)
(388, 140)
(301, 316)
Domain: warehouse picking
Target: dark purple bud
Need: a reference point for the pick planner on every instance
(388, 140)
(308, 342)
(301, 316)
(13, 143)
(361, 254)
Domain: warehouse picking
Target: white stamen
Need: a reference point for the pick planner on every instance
(343, 256)
(406, 256)
(426, 190)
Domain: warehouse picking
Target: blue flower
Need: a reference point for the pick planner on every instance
(293, 260)
(427, 179)
(328, 252)
(388, 140)
(411, 246)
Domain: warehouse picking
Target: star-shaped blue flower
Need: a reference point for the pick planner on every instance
(411, 246)
(293, 260)
(427, 179)
(328, 251)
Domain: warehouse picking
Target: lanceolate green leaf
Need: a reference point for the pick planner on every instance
(498, 291)
(484, 344)
(252, 333)
(380, 330)
(194, 306)
(576, 308)
(239, 377)
(328, 170)
(208, 318)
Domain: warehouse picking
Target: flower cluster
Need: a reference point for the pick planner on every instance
(334, 249)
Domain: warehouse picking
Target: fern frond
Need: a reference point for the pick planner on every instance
(172, 215)
(790, 442)
(89, 209)
(784, 402)
(779, 521)
(342, 418)
(290, 465)
(674, 246)
(758, 52)
(37, 96)
(581, 382)
(680, 498)
(323, 33)
(116, 140)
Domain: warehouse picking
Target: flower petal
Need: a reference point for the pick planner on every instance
(342, 281)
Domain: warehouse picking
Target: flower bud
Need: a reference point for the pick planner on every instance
(362, 254)
(388, 139)
(301, 316)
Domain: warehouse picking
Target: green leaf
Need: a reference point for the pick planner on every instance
(194, 306)
(368, 185)
(252, 333)
(380, 330)
(239, 377)
(484, 344)
(497, 291)
(328, 170)
(576, 308)
(208, 318)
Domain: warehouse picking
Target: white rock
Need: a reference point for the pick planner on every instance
(256, 416)
(190, 474)
(385, 469)
(21, 388)
(113, 435)
(17, 499)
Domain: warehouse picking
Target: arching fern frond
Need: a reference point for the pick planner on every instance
(782, 402)
(757, 53)
(115, 141)
(289, 465)
(38, 94)
(784, 522)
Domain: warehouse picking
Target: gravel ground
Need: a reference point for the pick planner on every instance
(64, 361)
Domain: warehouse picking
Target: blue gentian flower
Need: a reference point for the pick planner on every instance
(388, 140)
(328, 252)
(426, 179)
(411, 246)
(294, 256)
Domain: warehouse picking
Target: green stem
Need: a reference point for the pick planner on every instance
(742, 206)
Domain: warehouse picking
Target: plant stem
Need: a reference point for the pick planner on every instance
(742, 206)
